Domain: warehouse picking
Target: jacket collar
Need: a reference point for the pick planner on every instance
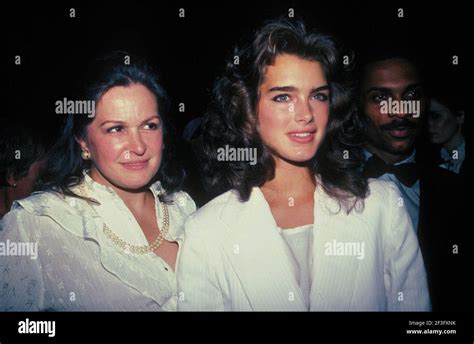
(256, 250)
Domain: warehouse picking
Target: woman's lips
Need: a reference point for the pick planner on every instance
(135, 166)
(301, 137)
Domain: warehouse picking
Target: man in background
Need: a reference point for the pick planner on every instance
(392, 104)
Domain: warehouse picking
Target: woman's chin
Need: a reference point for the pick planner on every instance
(298, 159)
(302, 156)
(133, 186)
(134, 182)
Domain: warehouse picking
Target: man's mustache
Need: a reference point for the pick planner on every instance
(399, 124)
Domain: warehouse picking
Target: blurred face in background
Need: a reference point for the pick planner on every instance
(24, 185)
(443, 124)
(19, 187)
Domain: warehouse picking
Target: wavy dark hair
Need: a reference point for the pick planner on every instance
(232, 119)
(64, 167)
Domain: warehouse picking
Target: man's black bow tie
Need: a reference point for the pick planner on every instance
(406, 173)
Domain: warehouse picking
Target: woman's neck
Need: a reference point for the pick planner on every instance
(291, 179)
(454, 142)
(135, 200)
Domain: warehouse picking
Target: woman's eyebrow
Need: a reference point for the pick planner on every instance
(122, 122)
(283, 89)
(320, 88)
(293, 88)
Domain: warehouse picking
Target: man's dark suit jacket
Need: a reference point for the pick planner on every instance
(445, 239)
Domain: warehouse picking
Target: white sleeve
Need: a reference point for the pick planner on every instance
(190, 206)
(198, 286)
(21, 287)
(405, 276)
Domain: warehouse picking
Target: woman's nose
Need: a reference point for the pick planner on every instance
(303, 112)
(136, 144)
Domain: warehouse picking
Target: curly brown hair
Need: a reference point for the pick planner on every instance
(232, 119)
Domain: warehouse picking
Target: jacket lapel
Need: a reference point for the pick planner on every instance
(256, 251)
(334, 271)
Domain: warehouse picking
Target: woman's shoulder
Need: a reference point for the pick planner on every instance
(384, 202)
(46, 209)
(217, 204)
(381, 191)
(26, 215)
(183, 201)
(44, 202)
(209, 215)
(382, 198)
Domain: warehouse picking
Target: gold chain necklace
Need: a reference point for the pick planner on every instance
(129, 248)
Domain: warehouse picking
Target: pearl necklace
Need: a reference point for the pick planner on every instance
(129, 248)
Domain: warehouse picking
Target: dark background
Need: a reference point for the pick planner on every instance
(190, 52)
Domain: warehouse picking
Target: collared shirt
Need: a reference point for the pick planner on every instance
(453, 161)
(410, 195)
(76, 266)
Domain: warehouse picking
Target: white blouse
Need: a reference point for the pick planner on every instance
(57, 257)
(299, 250)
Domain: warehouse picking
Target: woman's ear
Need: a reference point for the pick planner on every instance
(82, 143)
(12, 181)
